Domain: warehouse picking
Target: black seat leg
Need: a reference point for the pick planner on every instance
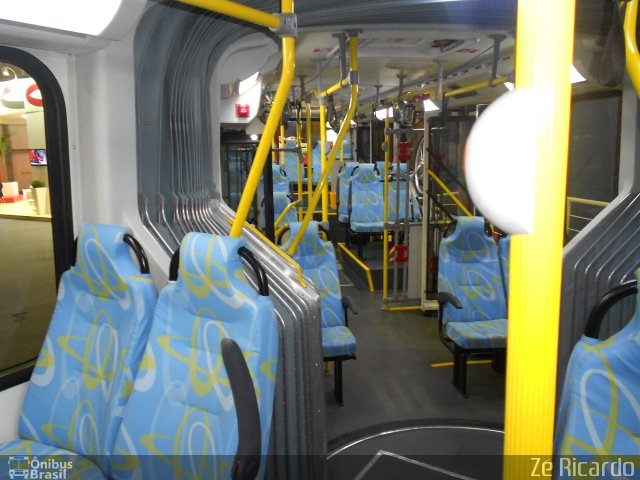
(360, 246)
(499, 361)
(337, 372)
(460, 372)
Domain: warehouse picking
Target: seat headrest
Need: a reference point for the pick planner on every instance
(365, 173)
(210, 265)
(103, 260)
(347, 168)
(468, 242)
(278, 175)
(290, 143)
(311, 243)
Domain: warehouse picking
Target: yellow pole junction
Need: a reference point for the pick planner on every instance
(323, 160)
(543, 58)
(274, 119)
(242, 12)
(344, 128)
(631, 46)
(385, 217)
(449, 192)
(334, 88)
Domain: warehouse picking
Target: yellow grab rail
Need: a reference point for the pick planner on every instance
(279, 251)
(241, 12)
(274, 119)
(284, 213)
(580, 201)
(544, 51)
(360, 263)
(309, 153)
(631, 46)
(323, 160)
(334, 88)
(449, 192)
(344, 128)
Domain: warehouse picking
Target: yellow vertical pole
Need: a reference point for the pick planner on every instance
(543, 58)
(299, 157)
(309, 155)
(385, 232)
(274, 119)
(323, 160)
(344, 128)
(282, 153)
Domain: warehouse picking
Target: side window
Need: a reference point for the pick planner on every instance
(33, 207)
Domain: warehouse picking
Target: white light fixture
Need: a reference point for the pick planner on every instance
(500, 160)
(430, 106)
(253, 137)
(383, 112)
(247, 84)
(509, 85)
(575, 76)
(80, 16)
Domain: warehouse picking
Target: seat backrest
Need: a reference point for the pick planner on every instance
(83, 377)
(367, 195)
(469, 268)
(599, 412)
(317, 259)
(279, 177)
(182, 413)
(346, 150)
(504, 252)
(343, 188)
(380, 166)
(280, 202)
(291, 162)
(393, 206)
(317, 162)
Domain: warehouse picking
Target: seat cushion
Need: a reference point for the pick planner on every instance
(28, 459)
(480, 334)
(338, 341)
(367, 227)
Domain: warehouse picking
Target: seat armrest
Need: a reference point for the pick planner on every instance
(349, 303)
(446, 297)
(247, 460)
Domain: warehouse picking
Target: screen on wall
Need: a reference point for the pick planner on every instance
(38, 157)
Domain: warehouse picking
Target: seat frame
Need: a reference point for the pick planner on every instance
(461, 354)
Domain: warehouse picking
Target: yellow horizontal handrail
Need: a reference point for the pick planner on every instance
(586, 201)
(284, 213)
(449, 192)
(239, 11)
(579, 201)
(334, 88)
(362, 265)
(286, 257)
(631, 46)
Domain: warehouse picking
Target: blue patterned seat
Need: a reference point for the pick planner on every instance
(473, 311)
(366, 200)
(599, 415)
(185, 418)
(317, 162)
(291, 162)
(317, 259)
(280, 202)
(344, 175)
(84, 373)
(279, 177)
